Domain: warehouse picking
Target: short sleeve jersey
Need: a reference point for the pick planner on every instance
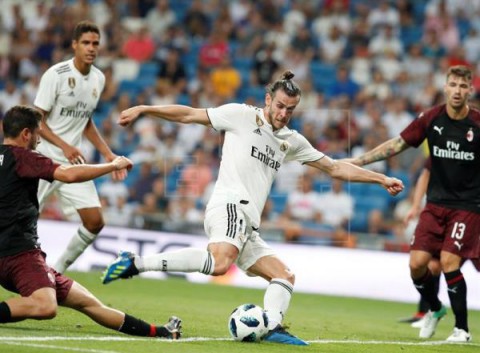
(252, 154)
(455, 156)
(71, 99)
(20, 170)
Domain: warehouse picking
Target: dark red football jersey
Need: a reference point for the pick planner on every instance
(20, 170)
(455, 156)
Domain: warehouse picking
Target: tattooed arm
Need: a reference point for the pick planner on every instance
(385, 150)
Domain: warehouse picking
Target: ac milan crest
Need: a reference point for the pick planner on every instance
(470, 135)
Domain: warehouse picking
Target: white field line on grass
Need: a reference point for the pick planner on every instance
(57, 348)
(23, 340)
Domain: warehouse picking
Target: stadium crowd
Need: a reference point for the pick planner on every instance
(366, 69)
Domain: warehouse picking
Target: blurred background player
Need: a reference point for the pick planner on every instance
(67, 97)
(22, 262)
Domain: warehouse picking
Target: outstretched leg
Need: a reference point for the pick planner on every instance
(79, 298)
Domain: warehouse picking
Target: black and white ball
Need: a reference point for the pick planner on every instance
(248, 323)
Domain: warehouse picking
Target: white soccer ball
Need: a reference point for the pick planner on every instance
(248, 323)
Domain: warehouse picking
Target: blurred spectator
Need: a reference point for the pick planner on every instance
(294, 20)
(405, 86)
(385, 41)
(471, 43)
(418, 66)
(431, 46)
(173, 72)
(444, 25)
(159, 18)
(297, 59)
(147, 215)
(288, 177)
(112, 190)
(214, 50)
(119, 214)
(223, 22)
(139, 45)
(378, 87)
(143, 184)
(303, 42)
(334, 15)
(264, 67)
(226, 80)
(197, 175)
(182, 214)
(344, 85)
(30, 88)
(9, 96)
(302, 203)
(383, 16)
(331, 47)
(389, 65)
(396, 117)
(336, 206)
(196, 21)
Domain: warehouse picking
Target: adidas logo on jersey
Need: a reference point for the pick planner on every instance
(71, 94)
(257, 131)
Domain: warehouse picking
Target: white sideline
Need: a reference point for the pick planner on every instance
(21, 340)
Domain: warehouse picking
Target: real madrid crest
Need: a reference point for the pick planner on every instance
(94, 93)
(284, 146)
(71, 82)
(470, 135)
(259, 121)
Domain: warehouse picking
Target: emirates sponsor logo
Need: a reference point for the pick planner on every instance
(453, 152)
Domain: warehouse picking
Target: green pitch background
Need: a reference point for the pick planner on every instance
(332, 324)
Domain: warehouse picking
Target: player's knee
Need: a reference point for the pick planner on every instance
(221, 266)
(287, 276)
(449, 265)
(46, 310)
(94, 226)
(417, 268)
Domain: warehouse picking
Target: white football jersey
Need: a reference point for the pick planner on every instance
(71, 99)
(252, 154)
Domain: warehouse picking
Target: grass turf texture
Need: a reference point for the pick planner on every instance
(331, 324)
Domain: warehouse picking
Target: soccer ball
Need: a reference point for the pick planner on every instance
(248, 323)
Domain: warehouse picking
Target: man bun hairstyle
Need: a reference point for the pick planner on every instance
(286, 84)
(18, 118)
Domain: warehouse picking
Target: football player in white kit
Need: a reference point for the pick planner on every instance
(257, 142)
(67, 97)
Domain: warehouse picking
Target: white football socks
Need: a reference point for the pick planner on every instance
(183, 260)
(276, 301)
(80, 241)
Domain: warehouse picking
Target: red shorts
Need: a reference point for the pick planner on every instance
(447, 229)
(27, 272)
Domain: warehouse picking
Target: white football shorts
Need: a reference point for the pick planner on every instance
(228, 223)
(74, 195)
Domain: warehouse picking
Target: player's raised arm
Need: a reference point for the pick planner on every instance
(176, 113)
(350, 172)
(383, 151)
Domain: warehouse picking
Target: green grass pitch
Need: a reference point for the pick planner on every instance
(330, 324)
